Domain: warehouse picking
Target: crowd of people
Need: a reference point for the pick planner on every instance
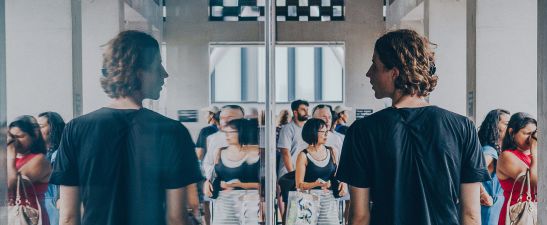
(411, 163)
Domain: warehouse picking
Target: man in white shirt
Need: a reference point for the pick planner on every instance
(334, 139)
(290, 137)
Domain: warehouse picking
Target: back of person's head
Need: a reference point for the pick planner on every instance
(516, 123)
(310, 130)
(247, 130)
(411, 54)
(489, 133)
(216, 116)
(29, 126)
(125, 55)
(284, 117)
(56, 127)
(295, 104)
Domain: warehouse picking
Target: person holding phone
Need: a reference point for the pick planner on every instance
(519, 154)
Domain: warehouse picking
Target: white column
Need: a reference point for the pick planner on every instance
(101, 21)
(445, 25)
(38, 57)
(506, 56)
(542, 108)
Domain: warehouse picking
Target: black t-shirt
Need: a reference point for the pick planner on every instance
(123, 161)
(413, 160)
(203, 134)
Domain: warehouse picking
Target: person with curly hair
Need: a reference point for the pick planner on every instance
(415, 163)
(123, 163)
(491, 133)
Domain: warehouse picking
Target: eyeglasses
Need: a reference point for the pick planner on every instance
(230, 131)
(325, 132)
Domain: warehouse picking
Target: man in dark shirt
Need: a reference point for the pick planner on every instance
(412, 163)
(213, 114)
(123, 163)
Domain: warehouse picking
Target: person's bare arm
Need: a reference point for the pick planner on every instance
(69, 205)
(192, 197)
(176, 206)
(470, 203)
(359, 206)
(199, 153)
(286, 156)
(38, 169)
(510, 166)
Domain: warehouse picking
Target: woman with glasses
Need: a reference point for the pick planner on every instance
(237, 169)
(315, 170)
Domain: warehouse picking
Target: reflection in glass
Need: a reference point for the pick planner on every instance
(311, 73)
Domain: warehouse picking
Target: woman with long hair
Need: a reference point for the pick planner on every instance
(237, 168)
(51, 127)
(26, 156)
(519, 155)
(491, 133)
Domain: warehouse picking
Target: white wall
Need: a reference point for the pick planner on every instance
(506, 56)
(38, 57)
(101, 21)
(446, 27)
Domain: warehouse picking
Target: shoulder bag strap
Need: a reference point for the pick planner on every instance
(38, 204)
(522, 175)
(332, 154)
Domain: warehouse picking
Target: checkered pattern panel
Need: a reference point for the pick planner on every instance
(286, 10)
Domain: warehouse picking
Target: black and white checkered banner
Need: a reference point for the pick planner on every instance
(286, 10)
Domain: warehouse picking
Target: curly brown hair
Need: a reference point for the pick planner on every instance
(125, 55)
(411, 54)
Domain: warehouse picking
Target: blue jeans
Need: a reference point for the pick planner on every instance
(52, 211)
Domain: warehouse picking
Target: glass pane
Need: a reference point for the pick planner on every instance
(227, 74)
(305, 77)
(281, 75)
(332, 74)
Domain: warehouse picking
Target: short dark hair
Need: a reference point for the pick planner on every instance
(126, 54)
(516, 123)
(488, 130)
(247, 130)
(310, 131)
(295, 104)
(236, 107)
(56, 127)
(29, 125)
(410, 53)
(323, 106)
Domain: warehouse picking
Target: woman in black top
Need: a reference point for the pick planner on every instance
(316, 167)
(237, 167)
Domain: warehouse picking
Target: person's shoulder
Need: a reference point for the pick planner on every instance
(373, 119)
(444, 113)
(149, 116)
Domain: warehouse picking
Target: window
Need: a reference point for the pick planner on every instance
(314, 73)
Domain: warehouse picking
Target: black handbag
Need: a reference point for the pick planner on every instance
(287, 183)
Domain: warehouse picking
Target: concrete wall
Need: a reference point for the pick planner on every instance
(445, 25)
(38, 57)
(188, 34)
(506, 56)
